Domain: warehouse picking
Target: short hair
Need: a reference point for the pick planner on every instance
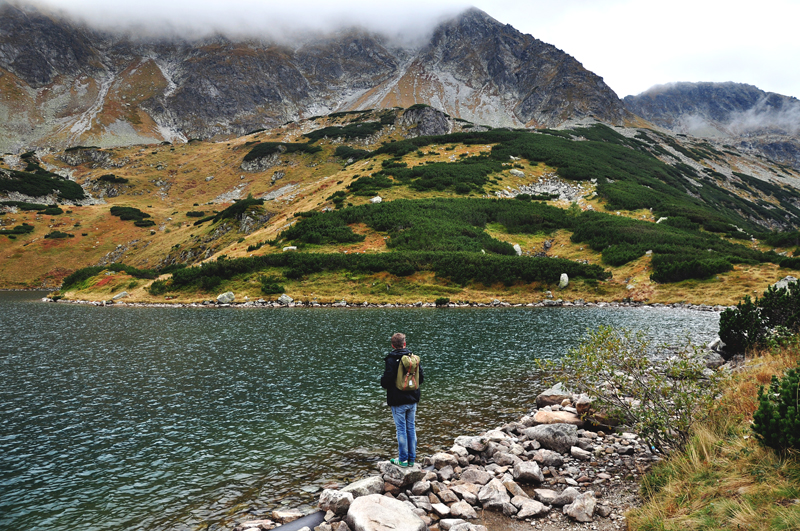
(398, 340)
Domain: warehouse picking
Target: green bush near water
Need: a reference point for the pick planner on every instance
(776, 422)
(81, 275)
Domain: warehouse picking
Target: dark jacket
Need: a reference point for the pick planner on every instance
(394, 396)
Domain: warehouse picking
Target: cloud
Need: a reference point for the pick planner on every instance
(284, 21)
(784, 116)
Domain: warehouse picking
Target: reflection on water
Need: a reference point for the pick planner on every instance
(159, 418)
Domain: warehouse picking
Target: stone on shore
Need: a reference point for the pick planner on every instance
(382, 513)
(557, 437)
(553, 396)
(284, 299)
(363, 487)
(493, 495)
(255, 525)
(529, 508)
(548, 458)
(528, 472)
(476, 444)
(400, 476)
(557, 417)
(335, 500)
(285, 516)
(226, 298)
(582, 508)
(441, 460)
(463, 509)
(476, 475)
(447, 523)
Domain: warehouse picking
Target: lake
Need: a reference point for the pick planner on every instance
(178, 418)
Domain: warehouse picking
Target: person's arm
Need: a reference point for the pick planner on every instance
(389, 374)
(421, 374)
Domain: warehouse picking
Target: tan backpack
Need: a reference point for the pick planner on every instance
(408, 373)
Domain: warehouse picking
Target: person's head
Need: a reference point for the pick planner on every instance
(398, 340)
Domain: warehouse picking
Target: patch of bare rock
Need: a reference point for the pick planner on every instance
(546, 471)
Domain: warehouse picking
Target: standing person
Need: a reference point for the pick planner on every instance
(403, 403)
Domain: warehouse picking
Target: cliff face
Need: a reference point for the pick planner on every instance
(69, 85)
(739, 114)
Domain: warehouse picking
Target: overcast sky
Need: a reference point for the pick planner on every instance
(632, 44)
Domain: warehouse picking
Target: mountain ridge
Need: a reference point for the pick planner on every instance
(71, 85)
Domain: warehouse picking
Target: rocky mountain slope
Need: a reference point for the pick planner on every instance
(753, 120)
(67, 85)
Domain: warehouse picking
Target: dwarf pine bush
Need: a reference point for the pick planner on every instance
(776, 422)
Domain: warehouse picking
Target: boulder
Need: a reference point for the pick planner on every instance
(447, 496)
(376, 199)
(476, 475)
(583, 405)
(506, 459)
(335, 500)
(784, 282)
(226, 298)
(514, 489)
(563, 281)
(493, 495)
(557, 417)
(517, 173)
(468, 527)
(447, 523)
(582, 508)
(423, 502)
(569, 495)
(121, 295)
(580, 453)
(363, 487)
(375, 512)
(441, 510)
(557, 437)
(552, 396)
(528, 472)
(441, 460)
(285, 299)
(529, 508)
(255, 525)
(546, 496)
(713, 360)
(548, 458)
(518, 249)
(468, 491)
(285, 516)
(421, 487)
(400, 476)
(475, 444)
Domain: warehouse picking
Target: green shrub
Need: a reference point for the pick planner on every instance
(353, 131)
(346, 152)
(113, 179)
(209, 283)
(661, 399)
(266, 149)
(195, 214)
(52, 211)
(19, 229)
(24, 206)
(86, 273)
(158, 287)
(442, 301)
(57, 234)
(271, 285)
(128, 213)
(144, 223)
(776, 422)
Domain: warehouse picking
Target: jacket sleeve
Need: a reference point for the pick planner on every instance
(421, 375)
(389, 373)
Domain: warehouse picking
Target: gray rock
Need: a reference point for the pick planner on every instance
(514, 489)
(226, 298)
(335, 500)
(516, 173)
(506, 459)
(447, 496)
(552, 396)
(446, 473)
(400, 476)
(376, 199)
(363, 487)
(509, 509)
(493, 495)
(441, 460)
(582, 508)
(548, 458)
(285, 299)
(423, 502)
(557, 437)
(420, 488)
(580, 453)
(528, 472)
(468, 527)
(442, 510)
(469, 492)
(529, 508)
(713, 359)
(563, 281)
(379, 513)
(569, 495)
(446, 523)
(475, 444)
(546, 496)
(475, 475)
(784, 282)
(120, 296)
(517, 248)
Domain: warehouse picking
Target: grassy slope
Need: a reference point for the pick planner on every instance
(726, 479)
(168, 193)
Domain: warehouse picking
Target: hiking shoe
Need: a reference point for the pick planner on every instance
(410, 463)
(396, 461)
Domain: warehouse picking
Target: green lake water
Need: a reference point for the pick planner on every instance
(181, 418)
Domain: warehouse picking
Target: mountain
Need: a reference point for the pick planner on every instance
(735, 113)
(68, 85)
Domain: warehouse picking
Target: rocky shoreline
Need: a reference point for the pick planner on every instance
(261, 303)
(547, 471)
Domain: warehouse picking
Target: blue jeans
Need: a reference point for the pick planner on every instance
(404, 418)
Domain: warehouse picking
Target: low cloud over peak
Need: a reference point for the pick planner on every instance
(408, 22)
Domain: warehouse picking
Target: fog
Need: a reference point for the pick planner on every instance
(408, 22)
